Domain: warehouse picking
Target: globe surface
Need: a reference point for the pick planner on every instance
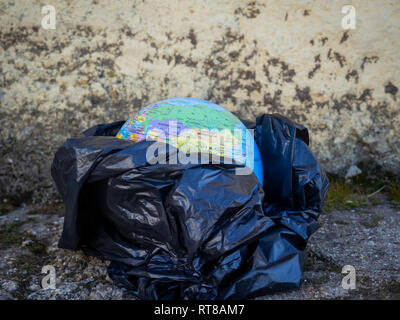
(195, 125)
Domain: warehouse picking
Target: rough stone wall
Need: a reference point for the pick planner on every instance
(106, 59)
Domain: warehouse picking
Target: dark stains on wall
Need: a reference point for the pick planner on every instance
(234, 55)
(317, 66)
(192, 37)
(329, 54)
(336, 56)
(230, 67)
(26, 36)
(391, 89)
(167, 58)
(339, 58)
(351, 101)
(230, 37)
(312, 72)
(286, 73)
(293, 114)
(353, 74)
(246, 74)
(344, 37)
(323, 40)
(252, 84)
(302, 94)
(273, 102)
(267, 73)
(366, 95)
(179, 59)
(250, 11)
(321, 104)
(84, 31)
(147, 59)
(250, 57)
(219, 68)
(127, 31)
(344, 102)
(367, 60)
(169, 36)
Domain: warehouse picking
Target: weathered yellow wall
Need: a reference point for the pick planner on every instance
(106, 59)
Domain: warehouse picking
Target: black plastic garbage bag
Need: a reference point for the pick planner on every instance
(192, 231)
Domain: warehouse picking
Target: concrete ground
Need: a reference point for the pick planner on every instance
(365, 238)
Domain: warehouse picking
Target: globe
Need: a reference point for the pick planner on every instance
(195, 125)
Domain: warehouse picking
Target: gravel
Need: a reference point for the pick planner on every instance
(365, 238)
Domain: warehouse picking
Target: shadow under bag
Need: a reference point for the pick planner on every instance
(192, 231)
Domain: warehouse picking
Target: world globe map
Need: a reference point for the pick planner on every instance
(195, 125)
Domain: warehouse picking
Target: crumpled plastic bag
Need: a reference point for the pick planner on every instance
(192, 231)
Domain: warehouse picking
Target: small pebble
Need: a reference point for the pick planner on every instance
(10, 286)
(26, 243)
(33, 287)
